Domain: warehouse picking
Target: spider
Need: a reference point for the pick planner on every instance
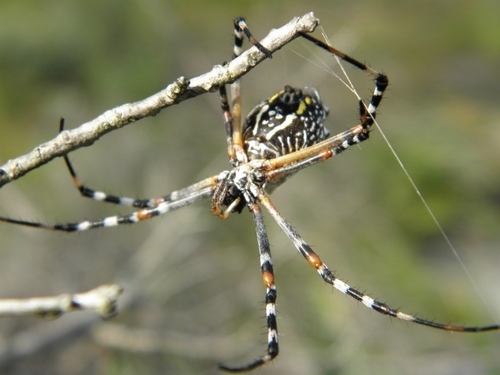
(280, 136)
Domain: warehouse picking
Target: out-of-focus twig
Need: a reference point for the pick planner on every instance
(102, 300)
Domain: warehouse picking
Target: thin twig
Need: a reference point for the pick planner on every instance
(102, 300)
(181, 89)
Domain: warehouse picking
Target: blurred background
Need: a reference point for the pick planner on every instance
(193, 291)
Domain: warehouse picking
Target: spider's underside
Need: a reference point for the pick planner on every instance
(279, 137)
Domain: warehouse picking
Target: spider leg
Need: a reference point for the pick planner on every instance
(266, 267)
(328, 276)
(342, 55)
(240, 28)
(293, 162)
(101, 196)
(367, 114)
(234, 148)
(232, 120)
(171, 202)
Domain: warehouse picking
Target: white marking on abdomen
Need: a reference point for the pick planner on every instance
(288, 121)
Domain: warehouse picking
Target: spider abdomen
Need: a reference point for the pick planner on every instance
(288, 121)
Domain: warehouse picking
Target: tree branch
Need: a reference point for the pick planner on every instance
(102, 300)
(178, 91)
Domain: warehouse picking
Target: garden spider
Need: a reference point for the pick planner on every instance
(280, 136)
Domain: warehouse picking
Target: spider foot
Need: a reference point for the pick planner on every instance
(253, 365)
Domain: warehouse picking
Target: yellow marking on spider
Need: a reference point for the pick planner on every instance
(301, 109)
(274, 97)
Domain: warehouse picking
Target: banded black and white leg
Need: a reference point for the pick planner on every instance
(104, 197)
(238, 156)
(291, 163)
(149, 207)
(367, 114)
(232, 116)
(174, 201)
(314, 260)
(266, 267)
